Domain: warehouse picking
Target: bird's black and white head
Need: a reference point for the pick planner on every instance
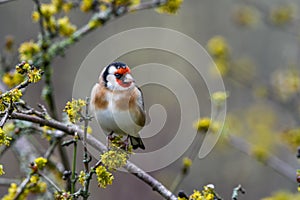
(117, 76)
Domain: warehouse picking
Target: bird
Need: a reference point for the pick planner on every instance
(118, 104)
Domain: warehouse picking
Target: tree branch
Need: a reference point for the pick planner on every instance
(71, 129)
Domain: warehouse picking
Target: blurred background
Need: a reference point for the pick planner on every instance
(255, 44)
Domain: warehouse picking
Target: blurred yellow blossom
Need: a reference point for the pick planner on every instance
(94, 23)
(47, 10)
(28, 49)
(170, 7)
(12, 78)
(86, 5)
(217, 46)
(283, 14)
(246, 15)
(67, 7)
(35, 16)
(292, 138)
(65, 27)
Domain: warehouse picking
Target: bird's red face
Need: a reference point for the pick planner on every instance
(117, 76)
(123, 77)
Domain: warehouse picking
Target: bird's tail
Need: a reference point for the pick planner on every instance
(137, 142)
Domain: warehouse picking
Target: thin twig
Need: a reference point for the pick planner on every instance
(21, 187)
(272, 161)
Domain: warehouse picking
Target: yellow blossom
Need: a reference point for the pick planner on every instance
(58, 4)
(34, 179)
(4, 139)
(50, 24)
(34, 75)
(86, 5)
(65, 27)
(67, 7)
(1, 170)
(28, 49)
(202, 124)
(40, 162)
(23, 68)
(48, 10)
(217, 46)
(73, 109)
(114, 158)
(170, 7)
(35, 16)
(196, 195)
(187, 162)
(81, 177)
(104, 178)
(12, 79)
(94, 23)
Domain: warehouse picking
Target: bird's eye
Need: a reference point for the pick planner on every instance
(118, 76)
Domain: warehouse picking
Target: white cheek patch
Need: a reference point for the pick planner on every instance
(111, 79)
(112, 69)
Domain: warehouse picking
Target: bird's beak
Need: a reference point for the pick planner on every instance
(128, 78)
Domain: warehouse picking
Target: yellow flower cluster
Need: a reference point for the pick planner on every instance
(33, 74)
(283, 14)
(219, 49)
(86, 5)
(104, 178)
(114, 158)
(65, 27)
(40, 162)
(13, 95)
(73, 109)
(48, 11)
(207, 193)
(170, 7)
(81, 177)
(34, 186)
(12, 78)
(28, 49)
(4, 138)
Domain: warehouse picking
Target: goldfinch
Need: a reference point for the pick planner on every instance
(118, 103)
